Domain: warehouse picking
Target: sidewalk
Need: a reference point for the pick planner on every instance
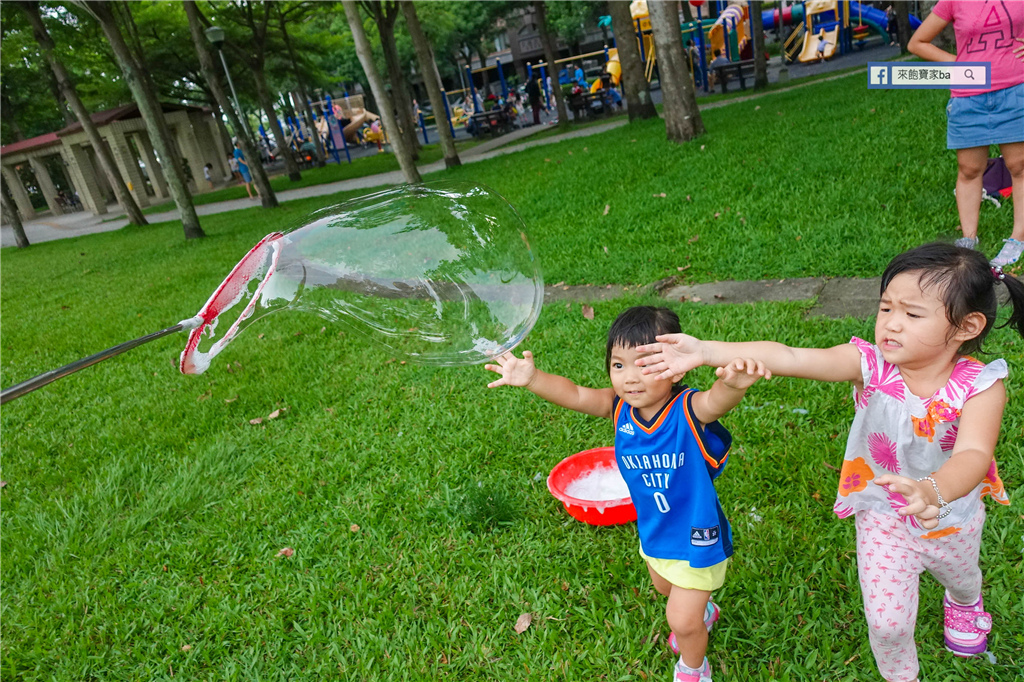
(836, 298)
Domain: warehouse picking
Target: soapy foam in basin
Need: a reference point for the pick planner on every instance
(599, 485)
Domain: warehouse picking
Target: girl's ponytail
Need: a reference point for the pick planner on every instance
(1016, 289)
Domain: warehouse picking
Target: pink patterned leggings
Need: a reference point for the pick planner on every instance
(890, 560)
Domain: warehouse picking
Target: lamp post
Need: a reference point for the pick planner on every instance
(215, 34)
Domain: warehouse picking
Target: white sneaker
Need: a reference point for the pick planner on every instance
(682, 673)
(1009, 254)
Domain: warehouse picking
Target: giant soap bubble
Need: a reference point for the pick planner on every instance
(441, 272)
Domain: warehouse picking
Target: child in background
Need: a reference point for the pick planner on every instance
(207, 169)
(669, 447)
(919, 457)
(822, 44)
(979, 118)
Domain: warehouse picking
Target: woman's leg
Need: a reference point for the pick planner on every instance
(889, 571)
(970, 167)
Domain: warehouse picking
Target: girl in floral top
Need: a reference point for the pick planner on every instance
(919, 457)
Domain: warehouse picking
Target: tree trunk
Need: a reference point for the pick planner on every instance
(263, 94)
(687, 12)
(682, 117)
(10, 122)
(222, 130)
(550, 55)
(365, 54)
(385, 14)
(903, 31)
(152, 115)
(259, 175)
(635, 87)
(11, 215)
(62, 102)
(760, 61)
(67, 88)
(428, 67)
(947, 37)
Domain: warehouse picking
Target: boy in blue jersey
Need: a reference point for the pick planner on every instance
(669, 447)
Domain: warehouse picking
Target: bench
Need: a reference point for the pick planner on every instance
(590, 104)
(495, 121)
(740, 70)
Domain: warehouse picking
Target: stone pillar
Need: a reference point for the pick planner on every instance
(87, 179)
(156, 173)
(126, 162)
(102, 177)
(46, 185)
(19, 193)
(189, 150)
(209, 138)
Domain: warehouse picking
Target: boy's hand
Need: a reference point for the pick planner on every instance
(514, 371)
(672, 357)
(742, 373)
(917, 496)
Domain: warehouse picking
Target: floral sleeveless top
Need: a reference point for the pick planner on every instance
(895, 431)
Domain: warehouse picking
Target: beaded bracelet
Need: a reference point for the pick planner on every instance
(942, 503)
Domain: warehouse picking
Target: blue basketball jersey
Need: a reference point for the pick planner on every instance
(669, 465)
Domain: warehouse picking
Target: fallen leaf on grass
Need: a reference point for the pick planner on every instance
(695, 299)
(547, 160)
(559, 283)
(694, 237)
(757, 107)
(287, 551)
(261, 336)
(187, 647)
(606, 208)
(230, 400)
(205, 396)
(688, 198)
(605, 250)
(588, 311)
(799, 237)
(523, 622)
(702, 147)
(275, 414)
(3, 484)
(257, 420)
(717, 214)
(683, 267)
(662, 195)
(230, 371)
(354, 528)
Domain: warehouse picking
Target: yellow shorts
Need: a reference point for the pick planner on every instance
(679, 573)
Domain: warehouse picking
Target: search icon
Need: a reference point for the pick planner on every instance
(969, 74)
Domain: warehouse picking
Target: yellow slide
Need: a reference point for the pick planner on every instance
(809, 53)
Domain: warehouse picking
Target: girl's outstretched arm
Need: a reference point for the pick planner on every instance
(676, 354)
(972, 456)
(551, 387)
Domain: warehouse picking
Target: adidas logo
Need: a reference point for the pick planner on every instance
(627, 429)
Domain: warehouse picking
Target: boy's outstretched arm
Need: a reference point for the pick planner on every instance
(726, 393)
(551, 387)
(676, 354)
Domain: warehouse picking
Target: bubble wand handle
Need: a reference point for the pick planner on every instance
(18, 390)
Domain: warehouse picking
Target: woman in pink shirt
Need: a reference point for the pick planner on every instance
(990, 31)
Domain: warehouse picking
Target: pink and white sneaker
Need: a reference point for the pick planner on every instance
(711, 614)
(685, 674)
(966, 628)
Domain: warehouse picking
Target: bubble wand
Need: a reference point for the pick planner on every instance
(18, 390)
(225, 295)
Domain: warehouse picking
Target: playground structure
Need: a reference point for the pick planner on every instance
(847, 25)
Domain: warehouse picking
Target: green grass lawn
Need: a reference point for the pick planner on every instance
(143, 512)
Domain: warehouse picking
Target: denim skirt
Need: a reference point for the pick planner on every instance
(995, 117)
